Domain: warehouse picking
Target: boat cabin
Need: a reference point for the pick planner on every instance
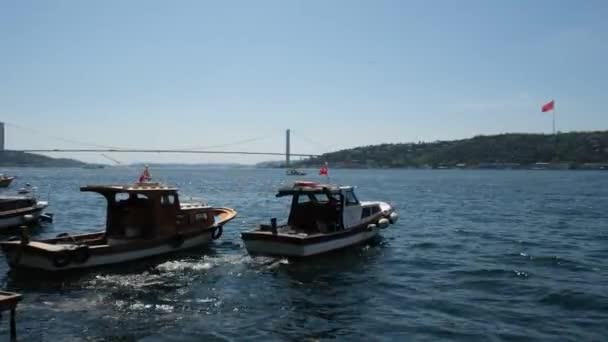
(322, 208)
(148, 211)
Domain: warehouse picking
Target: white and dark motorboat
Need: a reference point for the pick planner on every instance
(142, 220)
(20, 210)
(295, 172)
(323, 218)
(5, 180)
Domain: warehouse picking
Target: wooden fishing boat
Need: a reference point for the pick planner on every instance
(20, 210)
(5, 181)
(142, 220)
(323, 218)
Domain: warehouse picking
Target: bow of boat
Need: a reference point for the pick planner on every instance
(223, 215)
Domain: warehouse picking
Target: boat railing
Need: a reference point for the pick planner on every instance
(193, 201)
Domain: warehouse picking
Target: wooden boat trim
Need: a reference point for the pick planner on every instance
(21, 211)
(98, 245)
(300, 239)
(142, 220)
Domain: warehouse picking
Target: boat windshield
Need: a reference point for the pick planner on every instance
(324, 198)
(318, 198)
(313, 213)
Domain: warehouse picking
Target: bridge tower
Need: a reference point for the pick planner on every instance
(1, 136)
(287, 148)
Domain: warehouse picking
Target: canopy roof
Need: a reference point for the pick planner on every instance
(137, 187)
(311, 188)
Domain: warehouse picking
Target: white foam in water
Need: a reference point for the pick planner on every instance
(233, 259)
(171, 266)
(521, 273)
(274, 263)
(156, 307)
(205, 300)
(132, 280)
(73, 304)
(120, 303)
(140, 306)
(164, 308)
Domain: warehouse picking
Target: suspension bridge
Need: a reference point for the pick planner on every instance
(107, 149)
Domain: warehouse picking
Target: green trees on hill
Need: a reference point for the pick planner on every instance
(514, 148)
(15, 158)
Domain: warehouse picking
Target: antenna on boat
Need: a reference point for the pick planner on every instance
(48, 196)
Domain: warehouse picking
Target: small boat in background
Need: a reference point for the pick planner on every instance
(93, 166)
(142, 220)
(20, 210)
(323, 218)
(27, 189)
(295, 172)
(5, 180)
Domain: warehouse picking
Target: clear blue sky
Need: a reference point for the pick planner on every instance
(340, 74)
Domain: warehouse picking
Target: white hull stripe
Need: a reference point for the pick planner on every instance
(287, 249)
(38, 261)
(16, 221)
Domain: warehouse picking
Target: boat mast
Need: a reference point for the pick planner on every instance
(287, 152)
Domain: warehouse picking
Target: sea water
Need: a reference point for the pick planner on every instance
(476, 256)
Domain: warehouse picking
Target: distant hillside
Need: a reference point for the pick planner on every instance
(189, 165)
(271, 164)
(515, 149)
(14, 158)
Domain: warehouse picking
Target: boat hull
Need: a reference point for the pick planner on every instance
(5, 182)
(297, 247)
(18, 219)
(19, 257)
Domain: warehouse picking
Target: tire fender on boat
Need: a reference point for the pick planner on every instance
(371, 227)
(383, 223)
(217, 232)
(393, 217)
(62, 258)
(81, 254)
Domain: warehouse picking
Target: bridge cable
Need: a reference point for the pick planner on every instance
(59, 138)
(311, 142)
(240, 142)
(79, 142)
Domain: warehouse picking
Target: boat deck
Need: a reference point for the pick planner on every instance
(291, 231)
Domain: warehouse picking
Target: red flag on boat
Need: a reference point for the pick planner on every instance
(145, 175)
(324, 171)
(549, 106)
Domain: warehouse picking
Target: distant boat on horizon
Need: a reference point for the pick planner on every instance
(5, 181)
(295, 172)
(93, 166)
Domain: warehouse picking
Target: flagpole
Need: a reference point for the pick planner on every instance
(553, 111)
(554, 134)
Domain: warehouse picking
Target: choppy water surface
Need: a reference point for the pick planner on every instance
(478, 255)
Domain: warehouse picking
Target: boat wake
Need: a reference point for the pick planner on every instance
(173, 266)
(166, 308)
(144, 280)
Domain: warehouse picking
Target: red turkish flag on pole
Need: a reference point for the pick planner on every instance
(145, 175)
(549, 106)
(324, 171)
